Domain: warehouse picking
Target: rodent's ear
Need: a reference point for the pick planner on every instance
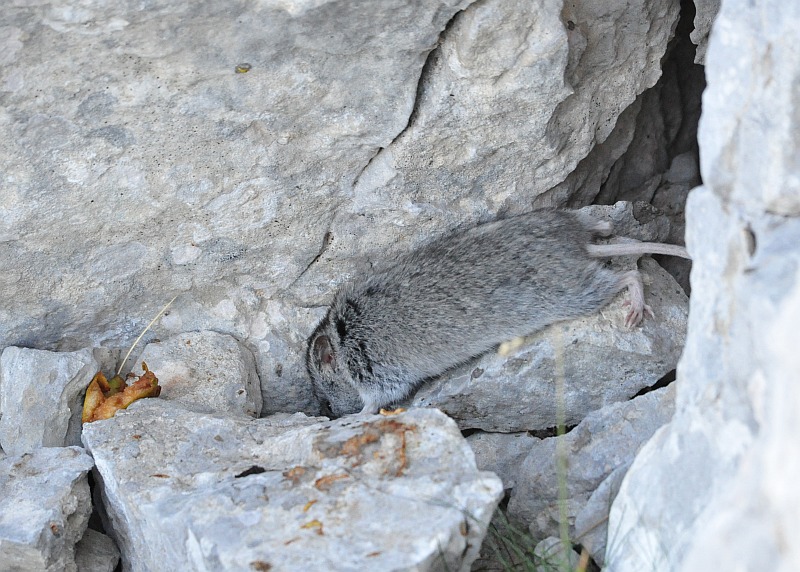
(323, 351)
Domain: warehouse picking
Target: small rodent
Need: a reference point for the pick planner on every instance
(457, 297)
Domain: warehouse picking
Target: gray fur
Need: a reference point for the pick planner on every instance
(454, 299)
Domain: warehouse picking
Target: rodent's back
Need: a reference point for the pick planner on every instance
(456, 297)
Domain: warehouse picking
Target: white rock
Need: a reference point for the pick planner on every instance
(439, 173)
(40, 397)
(205, 372)
(44, 509)
(191, 491)
(759, 171)
(96, 552)
(705, 12)
(602, 443)
(603, 362)
(584, 183)
(717, 487)
(680, 486)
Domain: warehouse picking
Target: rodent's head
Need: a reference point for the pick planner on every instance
(333, 383)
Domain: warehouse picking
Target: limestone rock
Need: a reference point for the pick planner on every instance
(603, 442)
(550, 555)
(591, 522)
(759, 171)
(205, 372)
(584, 183)
(188, 490)
(487, 62)
(717, 487)
(148, 166)
(44, 508)
(96, 552)
(159, 169)
(681, 481)
(599, 360)
(501, 453)
(41, 397)
(705, 12)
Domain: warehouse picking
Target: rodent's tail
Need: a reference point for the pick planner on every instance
(628, 248)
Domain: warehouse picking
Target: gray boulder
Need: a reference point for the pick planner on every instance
(44, 509)
(140, 164)
(501, 453)
(205, 372)
(96, 552)
(603, 444)
(188, 490)
(41, 397)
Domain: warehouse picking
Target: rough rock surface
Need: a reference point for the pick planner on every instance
(600, 361)
(605, 441)
(205, 372)
(138, 163)
(552, 556)
(44, 509)
(501, 453)
(705, 12)
(184, 489)
(40, 397)
(96, 552)
(717, 487)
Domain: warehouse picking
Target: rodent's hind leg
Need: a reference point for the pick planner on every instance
(632, 280)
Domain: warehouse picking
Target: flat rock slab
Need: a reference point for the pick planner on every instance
(207, 372)
(185, 490)
(40, 397)
(44, 509)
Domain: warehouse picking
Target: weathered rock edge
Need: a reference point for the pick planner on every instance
(194, 490)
